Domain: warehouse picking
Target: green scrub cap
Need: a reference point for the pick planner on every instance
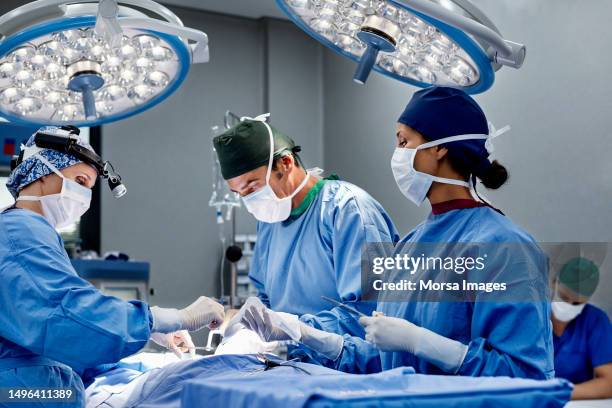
(246, 147)
(580, 275)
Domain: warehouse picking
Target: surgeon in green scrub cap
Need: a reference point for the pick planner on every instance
(310, 231)
(582, 332)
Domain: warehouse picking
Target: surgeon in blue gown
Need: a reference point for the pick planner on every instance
(582, 331)
(443, 147)
(56, 329)
(311, 230)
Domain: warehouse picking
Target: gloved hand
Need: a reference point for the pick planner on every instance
(279, 326)
(203, 312)
(271, 326)
(394, 334)
(391, 333)
(328, 344)
(179, 342)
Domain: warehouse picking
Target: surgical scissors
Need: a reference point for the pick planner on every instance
(345, 307)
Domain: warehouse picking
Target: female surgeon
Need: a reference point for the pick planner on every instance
(442, 140)
(582, 332)
(55, 326)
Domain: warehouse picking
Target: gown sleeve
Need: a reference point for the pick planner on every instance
(354, 223)
(48, 309)
(358, 357)
(258, 268)
(600, 340)
(511, 335)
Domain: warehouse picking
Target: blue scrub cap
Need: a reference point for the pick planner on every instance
(33, 168)
(440, 112)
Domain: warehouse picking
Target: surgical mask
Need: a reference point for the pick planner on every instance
(564, 311)
(66, 207)
(415, 184)
(263, 203)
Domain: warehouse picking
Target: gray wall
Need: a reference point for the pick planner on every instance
(295, 87)
(164, 154)
(558, 104)
(165, 159)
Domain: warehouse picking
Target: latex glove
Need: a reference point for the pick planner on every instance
(328, 344)
(178, 342)
(270, 325)
(279, 326)
(391, 333)
(202, 312)
(233, 327)
(394, 334)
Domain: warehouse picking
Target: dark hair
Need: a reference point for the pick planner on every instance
(493, 175)
(297, 159)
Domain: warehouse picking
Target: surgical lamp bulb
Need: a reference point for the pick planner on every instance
(156, 79)
(28, 105)
(8, 69)
(55, 99)
(57, 68)
(415, 41)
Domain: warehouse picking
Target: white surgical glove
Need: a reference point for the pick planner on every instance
(271, 326)
(279, 326)
(328, 344)
(178, 342)
(203, 312)
(394, 334)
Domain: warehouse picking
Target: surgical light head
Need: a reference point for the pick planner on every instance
(421, 42)
(85, 63)
(65, 140)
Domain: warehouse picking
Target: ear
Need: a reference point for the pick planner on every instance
(286, 163)
(441, 152)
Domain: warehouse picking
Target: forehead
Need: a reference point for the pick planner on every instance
(248, 177)
(81, 168)
(407, 131)
(570, 295)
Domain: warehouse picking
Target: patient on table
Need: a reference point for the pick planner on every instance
(135, 375)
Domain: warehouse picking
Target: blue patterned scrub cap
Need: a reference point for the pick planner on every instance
(32, 168)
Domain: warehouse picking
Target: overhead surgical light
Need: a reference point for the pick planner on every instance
(86, 63)
(421, 42)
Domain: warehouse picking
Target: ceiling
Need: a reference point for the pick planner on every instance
(245, 8)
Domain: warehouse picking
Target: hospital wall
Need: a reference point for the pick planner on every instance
(165, 154)
(558, 152)
(558, 104)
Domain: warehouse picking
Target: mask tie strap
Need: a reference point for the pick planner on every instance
(28, 198)
(302, 184)
(438, 142)
(263, 118)
(451, 139)
(30, 151)
(494, 133)
(48, 164)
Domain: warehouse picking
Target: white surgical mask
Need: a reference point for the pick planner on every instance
(415, 184)
(67, 206)
(263, 203)
(564, 311)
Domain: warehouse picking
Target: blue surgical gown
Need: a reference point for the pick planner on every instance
(585, 344)
(318, 253)
(53, 324)
(504, 338)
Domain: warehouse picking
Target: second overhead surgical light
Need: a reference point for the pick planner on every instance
(87, 63)
(422, 42)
